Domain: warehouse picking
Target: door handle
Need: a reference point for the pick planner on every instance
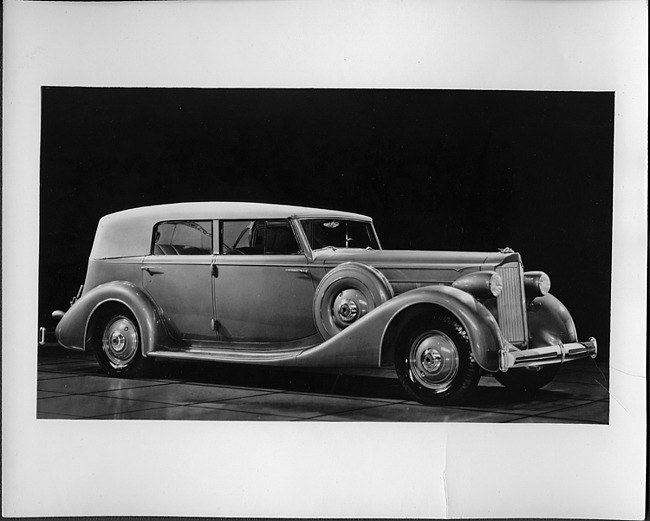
(150, 270)
(296, 270)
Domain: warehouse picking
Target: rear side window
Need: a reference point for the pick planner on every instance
(183, 238)
(258, 238)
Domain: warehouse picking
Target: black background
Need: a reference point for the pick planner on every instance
(438, 170)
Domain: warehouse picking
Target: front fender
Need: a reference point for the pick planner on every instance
(370, 340)
(550, 323)
(481, 326)
(72, 331)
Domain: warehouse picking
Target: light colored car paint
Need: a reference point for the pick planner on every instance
(260, 308)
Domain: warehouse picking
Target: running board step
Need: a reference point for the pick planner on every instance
(228, 356)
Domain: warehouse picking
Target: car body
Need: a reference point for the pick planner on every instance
(279, 285)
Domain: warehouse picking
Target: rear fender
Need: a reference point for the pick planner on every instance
(482, 329)
(73, 331)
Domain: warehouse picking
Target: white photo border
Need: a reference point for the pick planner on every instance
(66, 468)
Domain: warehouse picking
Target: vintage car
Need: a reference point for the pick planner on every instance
(301, 287)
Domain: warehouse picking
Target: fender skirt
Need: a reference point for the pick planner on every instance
(72, 331)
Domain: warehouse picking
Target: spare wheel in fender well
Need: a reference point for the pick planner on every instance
(346, 294)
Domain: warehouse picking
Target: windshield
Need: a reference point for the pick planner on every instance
(339, 233)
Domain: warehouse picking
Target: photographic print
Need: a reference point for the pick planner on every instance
(234, 229)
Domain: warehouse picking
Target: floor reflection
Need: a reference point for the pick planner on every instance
(71, 385)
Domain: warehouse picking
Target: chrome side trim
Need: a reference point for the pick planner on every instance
(255, 261)
(423, 267)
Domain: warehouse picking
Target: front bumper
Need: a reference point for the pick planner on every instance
(510, 357)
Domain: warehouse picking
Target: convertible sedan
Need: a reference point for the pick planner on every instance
(301, 287)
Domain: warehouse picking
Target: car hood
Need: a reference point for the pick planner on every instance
(399, 258)
(407, 269)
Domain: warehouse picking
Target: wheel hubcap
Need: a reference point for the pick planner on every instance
(434, 360)
(349, 305)
(431, 360)
(348, 310)
(120, 342)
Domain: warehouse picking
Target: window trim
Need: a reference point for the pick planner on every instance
(300, 220)
(173, 221)
(266, 220)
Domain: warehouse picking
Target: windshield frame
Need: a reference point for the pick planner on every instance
(308, 246)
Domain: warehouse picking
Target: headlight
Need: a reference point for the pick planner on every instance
(536, 283)
(480, 284)
(496, 284)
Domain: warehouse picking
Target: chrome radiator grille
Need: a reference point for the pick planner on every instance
(511, 303)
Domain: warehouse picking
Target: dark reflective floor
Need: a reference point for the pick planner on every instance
(71, 385)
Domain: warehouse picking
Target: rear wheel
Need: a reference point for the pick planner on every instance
(433, 361)
(118, 346)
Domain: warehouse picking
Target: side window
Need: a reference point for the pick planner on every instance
(183, 238)
(279, 238)
(236, 237)
(257, 238)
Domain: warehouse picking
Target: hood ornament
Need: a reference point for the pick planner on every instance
(507, 249)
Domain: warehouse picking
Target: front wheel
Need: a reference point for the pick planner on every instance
(434, 363)
(118, 347)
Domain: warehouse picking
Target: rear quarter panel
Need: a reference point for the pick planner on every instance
(126, 269)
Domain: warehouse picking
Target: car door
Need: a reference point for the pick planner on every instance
(262, 287)
(177, 276)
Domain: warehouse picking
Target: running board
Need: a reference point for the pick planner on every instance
(273, 357)
(513, 358)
